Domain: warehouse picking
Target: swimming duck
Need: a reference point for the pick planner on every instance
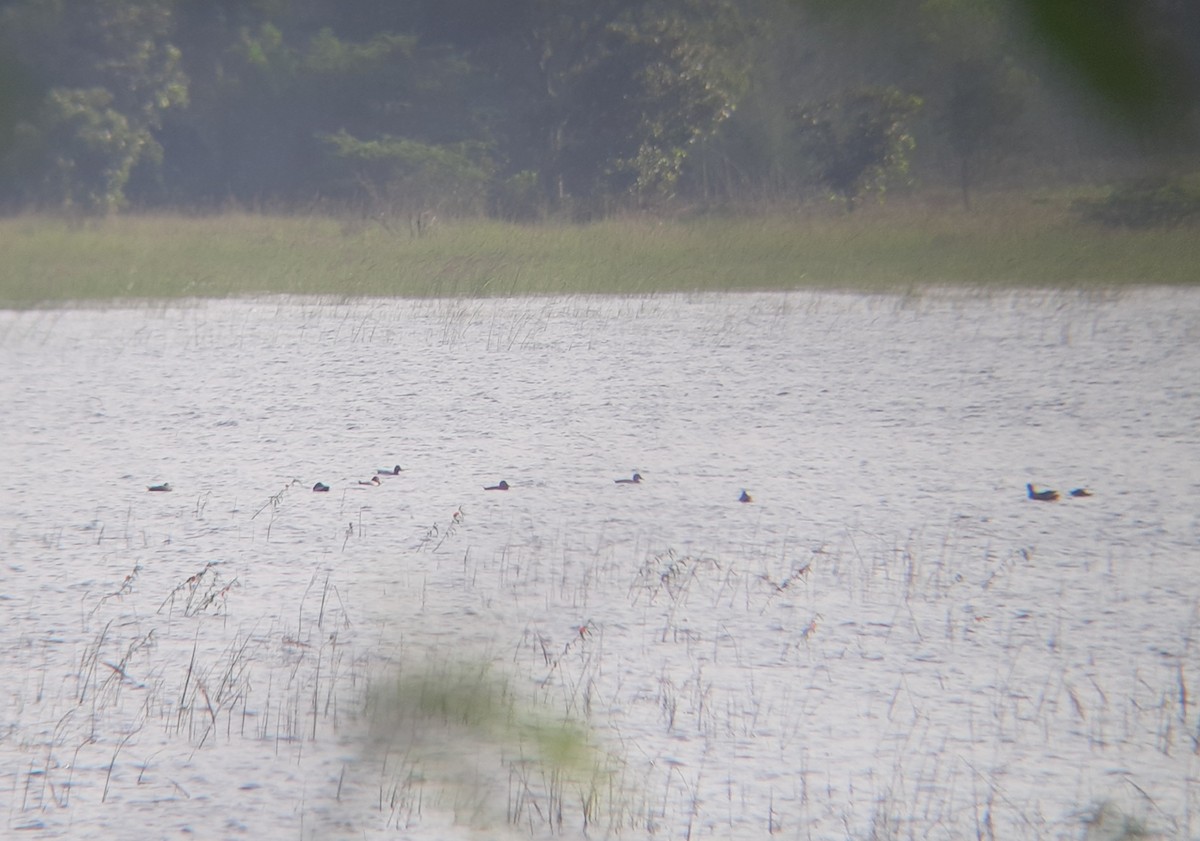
(165, 486)
(320, 487)
(374, 480)
(503, 486)
(745, 497)
(1041, 496)
(1081, 492)
(637, 477)
(395, 471)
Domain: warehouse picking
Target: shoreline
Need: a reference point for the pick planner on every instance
(158, 257)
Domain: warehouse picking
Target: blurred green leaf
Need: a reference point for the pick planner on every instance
(1117, 48)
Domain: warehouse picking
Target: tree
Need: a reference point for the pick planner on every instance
(663, 80)
(574, 106)
(985, 102)
(982, 90)
(79, 151)
(397, 174)
(604, 99)
(111, 73)
(304, 114)
(859, 142)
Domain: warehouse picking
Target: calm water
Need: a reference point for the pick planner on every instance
(890, 640)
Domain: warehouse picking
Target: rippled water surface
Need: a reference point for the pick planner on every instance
(890, 641)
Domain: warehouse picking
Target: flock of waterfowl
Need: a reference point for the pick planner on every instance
(1049, 495)
(1043, 495)
(377, 479)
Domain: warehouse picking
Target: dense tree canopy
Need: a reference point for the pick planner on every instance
(523, 108)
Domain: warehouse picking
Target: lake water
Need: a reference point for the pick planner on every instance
(890, 641)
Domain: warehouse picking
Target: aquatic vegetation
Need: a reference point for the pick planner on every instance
(891, 641)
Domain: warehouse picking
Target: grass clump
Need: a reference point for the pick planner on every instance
(898, 247)
(1146, 204)
(1108, 822)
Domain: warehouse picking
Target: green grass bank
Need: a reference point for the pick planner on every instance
(900, 246)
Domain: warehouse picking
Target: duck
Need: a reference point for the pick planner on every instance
(503, 486)
(635, 479)
(320, 488)
(1041, 496)
(164, 487)
(374, 480)
(395, 471)
(745, 497)
(1081, 492)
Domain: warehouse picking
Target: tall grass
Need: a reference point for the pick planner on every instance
(901, 246)
(414, 732)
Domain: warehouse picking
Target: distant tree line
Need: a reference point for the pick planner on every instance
(527, 108)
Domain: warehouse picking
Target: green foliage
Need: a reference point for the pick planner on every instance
(859, 142)
(1107, 822)
(469, 703)
(17, 93)
(964, 59)
(977, 88)
(1146, 204)
(986, 100)
(293, 114)
(686, 91)
(612, 104)
(456, 724)
(329, 55)
(622, 92)
(122, 46)
(82, 149)
(112, 74)
(264, 54)
(397, 174)
(518, 198)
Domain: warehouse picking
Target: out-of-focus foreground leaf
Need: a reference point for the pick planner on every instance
(1142, 56)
